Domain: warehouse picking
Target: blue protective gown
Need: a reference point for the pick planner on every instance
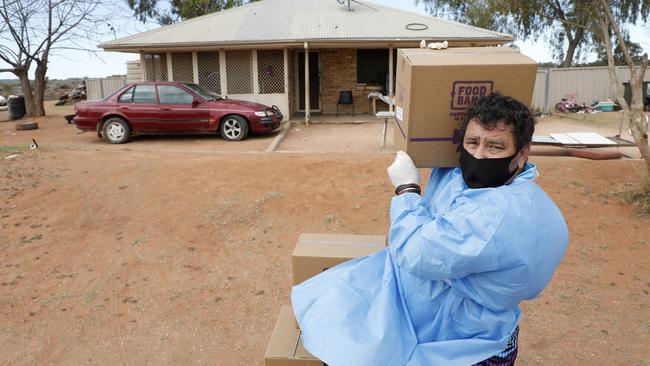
(447, 289)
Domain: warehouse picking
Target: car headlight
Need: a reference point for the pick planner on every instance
(265, 114)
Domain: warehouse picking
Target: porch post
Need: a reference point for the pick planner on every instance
(256, 81)
(286, 83)
(307, 106)
(222, 73)
(170, 69)
(195, 67)
(391, 92)
(143, 68)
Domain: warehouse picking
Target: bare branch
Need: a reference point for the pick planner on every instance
(619, 36)
(34, 29)
(16, 34)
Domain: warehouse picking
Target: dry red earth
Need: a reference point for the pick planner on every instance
(139, 254)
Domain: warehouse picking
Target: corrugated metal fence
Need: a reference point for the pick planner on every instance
(588, 83)
(98, 89)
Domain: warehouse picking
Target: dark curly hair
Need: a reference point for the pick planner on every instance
(494, 108)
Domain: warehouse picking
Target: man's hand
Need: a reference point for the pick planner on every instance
(403, 171)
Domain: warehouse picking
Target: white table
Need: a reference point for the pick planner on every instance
(386, 116)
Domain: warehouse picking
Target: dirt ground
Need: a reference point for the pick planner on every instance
(178, 250)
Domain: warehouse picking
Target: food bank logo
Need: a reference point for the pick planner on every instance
(464, 93)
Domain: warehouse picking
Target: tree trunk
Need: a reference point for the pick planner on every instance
(635, 121)
(632, 113)
(568, 58)
(27, 90)
(574, 42)
(39, 88)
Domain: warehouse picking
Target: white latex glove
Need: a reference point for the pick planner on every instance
(403, 171)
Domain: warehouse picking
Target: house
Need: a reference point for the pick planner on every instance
(256, 52)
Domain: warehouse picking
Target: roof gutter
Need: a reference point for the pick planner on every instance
(321, 43)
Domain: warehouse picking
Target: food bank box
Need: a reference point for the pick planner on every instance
(285, 347)
(435, 87)
(315, 253)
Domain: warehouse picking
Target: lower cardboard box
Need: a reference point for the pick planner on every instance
(315, 253)
(285, 347)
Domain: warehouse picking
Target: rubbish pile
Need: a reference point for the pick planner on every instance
(569, 105)
(75, 95)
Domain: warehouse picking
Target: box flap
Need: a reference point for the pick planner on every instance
(284, 338)
(338, 245)
(466, 56)
(302, 353)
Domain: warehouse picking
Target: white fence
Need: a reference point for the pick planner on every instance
(98, 89)
(588, 83)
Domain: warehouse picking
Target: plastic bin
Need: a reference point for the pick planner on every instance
(627, 94)
(16, 107)
(606, 106)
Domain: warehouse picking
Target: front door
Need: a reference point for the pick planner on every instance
(314, 81)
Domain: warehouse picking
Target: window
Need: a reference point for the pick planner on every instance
(372, 66)
(182, 67)
(127, 96)
(239, 72)
(155, 65)
(168, 94)
(209, 72)
(270, 71)
(144, 94)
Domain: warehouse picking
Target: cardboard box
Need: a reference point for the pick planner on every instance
(316, 253)
(285, 348)
(435, 87)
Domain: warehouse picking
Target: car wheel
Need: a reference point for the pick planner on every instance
(116, 131)
(234, 128)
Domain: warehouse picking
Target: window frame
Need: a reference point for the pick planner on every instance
(155, 94)
(132, 89)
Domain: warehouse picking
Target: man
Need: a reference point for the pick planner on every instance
(482, 238)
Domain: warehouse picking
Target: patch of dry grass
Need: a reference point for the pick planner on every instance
(638, 195)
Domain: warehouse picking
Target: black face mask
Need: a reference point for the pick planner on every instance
(484, 173)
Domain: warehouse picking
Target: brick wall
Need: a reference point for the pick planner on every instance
(339, 72)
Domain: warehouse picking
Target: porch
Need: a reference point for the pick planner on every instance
(278, 77)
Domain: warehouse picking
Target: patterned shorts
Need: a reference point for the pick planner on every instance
(507, 356)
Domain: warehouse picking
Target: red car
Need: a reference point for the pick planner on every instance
(173, 108)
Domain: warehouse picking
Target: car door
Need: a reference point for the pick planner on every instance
(140, 107)
(181, 111)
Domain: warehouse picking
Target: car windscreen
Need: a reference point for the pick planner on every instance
(205, 93)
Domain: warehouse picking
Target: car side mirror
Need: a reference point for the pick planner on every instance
(195, 102)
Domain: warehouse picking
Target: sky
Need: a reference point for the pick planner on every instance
(70, 64)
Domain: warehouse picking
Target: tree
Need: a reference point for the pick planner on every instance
(170, 11)
(635, 49)
(18, 60)
(569, 23)
(31, 30)
(604, 12)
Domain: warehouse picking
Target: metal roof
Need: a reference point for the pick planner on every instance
(289, 21)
